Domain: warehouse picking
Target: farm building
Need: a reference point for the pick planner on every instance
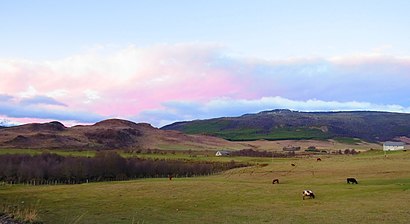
(222, 153)
(393, 146)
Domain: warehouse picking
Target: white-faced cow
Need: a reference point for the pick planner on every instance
(275, 181)
(308, 193)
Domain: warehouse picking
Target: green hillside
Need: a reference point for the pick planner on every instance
(244, 134)
(285, 124)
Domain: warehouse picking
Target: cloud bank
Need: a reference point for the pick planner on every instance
(166, 83)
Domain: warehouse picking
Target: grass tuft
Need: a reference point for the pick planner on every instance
(21, 212)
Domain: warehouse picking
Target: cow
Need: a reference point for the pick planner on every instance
(318, 159)
(351, 180)
(292, 164)
(308, 193)
(275, 181)
(170, 176)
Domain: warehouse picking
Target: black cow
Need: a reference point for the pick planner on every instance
(351, 180)
(275, 181)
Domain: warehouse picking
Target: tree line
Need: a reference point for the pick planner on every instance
(48, 168)
(255, 153)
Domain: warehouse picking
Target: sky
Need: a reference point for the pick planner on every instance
(158, 62)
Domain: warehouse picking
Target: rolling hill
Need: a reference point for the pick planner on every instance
(246, 131)
(283, 124)
(107, 134)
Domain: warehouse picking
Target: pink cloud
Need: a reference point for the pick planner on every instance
(125, 82)
(129, 81)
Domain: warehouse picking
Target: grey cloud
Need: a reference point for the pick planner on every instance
(23, 111)
(41, 100)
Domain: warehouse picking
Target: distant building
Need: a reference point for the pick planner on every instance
(393, 146)
(222, 153)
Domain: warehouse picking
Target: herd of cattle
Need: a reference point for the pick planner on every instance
(309, 193)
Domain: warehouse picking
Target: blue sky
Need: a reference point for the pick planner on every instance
(163, 61)
(273, 29)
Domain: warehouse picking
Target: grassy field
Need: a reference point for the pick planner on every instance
(39, 151)
(249, 134)
(194, 156)
(351, 141)
(244, 195)
(181, 152)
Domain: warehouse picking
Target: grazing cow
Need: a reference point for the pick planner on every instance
(308, 193)
(170, 176)
(318, 159)
(275, 181)
(351, 180)
(293, 164)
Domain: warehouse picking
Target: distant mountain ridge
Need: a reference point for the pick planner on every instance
(107, 134)
(214, 133)
(282, 124)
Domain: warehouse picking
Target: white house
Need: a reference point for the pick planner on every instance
(222, 153)
(393, 146)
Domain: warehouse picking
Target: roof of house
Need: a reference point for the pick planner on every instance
(223, 152)
(393, 144)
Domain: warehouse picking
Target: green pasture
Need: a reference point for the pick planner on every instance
(346, 140)
(248, 134)
(243, 195)
(183, 155)
(86, 153)
(275, 134)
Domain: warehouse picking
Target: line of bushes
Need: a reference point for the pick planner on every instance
(50, 168)
(255, 153)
